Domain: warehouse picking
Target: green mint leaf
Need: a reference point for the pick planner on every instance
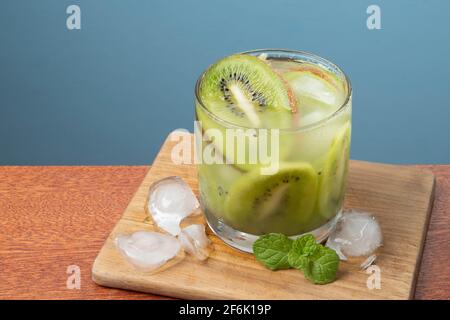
(322, 267)
(272, 250)
(298, 261)
(302, 248)
(318, 263)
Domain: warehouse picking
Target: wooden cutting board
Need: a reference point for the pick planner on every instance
(399, 196)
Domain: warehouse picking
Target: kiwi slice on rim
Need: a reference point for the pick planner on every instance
(245, 91)
(333, 176)
(282, 202)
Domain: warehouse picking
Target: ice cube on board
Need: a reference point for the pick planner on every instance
(195, 242)
(146, 250)
(170, 200)
(357, 234)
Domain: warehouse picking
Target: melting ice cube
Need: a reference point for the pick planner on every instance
(313, 117)
(357, 234)
(194, 241)
(263, 56)
(170, 201)
(309, 85)
(147, 250)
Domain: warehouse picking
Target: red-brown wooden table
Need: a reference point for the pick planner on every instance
(53, 217)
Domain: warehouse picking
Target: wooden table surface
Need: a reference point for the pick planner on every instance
(54, 217)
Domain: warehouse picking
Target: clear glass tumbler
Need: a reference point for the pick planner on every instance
(306, 191)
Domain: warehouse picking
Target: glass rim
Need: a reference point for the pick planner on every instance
(306, 127)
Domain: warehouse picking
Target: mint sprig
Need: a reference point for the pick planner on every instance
(302, 249)
(318, 263)
(272, 250)
(323, 266)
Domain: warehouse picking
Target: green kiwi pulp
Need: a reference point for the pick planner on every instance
(282, 202)
(245, 91)
(332, 178)
(215, 181)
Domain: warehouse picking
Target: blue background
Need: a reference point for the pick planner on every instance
(111, 92)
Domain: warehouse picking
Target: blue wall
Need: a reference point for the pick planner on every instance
(110, 92)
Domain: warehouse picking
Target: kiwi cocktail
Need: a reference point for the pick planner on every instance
(307, 99)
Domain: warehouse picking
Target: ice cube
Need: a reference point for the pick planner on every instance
(368, 261)
(310, 85)
(282, 66)
(146, 250)
(313, 117)
(171, 200)
(195, 242)
(263, 56)
(357, 234)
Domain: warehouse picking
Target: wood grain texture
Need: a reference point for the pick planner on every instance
(53, 217)
(32, 267)
(400, 197)
(434, 277)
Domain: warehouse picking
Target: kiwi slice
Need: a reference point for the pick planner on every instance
(282, 202)
(214, 182)
(333, 176)
(245, 91)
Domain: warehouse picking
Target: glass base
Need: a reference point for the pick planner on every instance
(244, 241)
